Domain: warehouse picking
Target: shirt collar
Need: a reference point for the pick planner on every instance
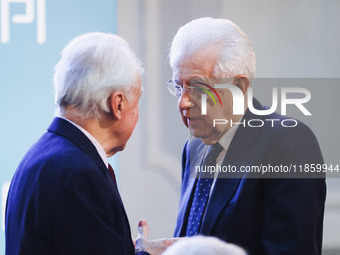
(227, 137)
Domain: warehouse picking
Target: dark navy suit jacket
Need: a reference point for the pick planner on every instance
(266, 216)
(62, 200)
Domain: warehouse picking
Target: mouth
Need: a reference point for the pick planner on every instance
(190, 122)
(193, 121)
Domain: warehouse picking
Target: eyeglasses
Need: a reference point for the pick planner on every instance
(196, 91)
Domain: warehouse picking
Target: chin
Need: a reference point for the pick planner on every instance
(122, 147)
(199, 133)
(207, 138)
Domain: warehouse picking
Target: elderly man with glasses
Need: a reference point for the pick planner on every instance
(213, 65)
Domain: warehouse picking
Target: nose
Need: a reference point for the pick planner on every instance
(184, 102)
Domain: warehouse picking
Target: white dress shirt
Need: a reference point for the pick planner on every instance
(224, 141)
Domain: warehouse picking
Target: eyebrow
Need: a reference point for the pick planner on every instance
(195, 81)
(201, 82)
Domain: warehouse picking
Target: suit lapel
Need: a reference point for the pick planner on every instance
(194, 155)
(239, 153)
(184, 207)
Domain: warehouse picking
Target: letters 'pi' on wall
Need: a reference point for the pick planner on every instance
(31, 13)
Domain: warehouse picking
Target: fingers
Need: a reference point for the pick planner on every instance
(141, 241)
(143, 229)
(157, 247)
(163, 243)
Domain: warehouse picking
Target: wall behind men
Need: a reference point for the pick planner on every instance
(33, 33)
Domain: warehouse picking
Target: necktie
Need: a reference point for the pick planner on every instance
(112, 173)
(202, 192)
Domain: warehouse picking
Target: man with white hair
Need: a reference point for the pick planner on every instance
(203, 245)
(63, 198)
(213, 65)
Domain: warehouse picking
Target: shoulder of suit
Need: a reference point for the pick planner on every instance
(59, 155)
(287, 131)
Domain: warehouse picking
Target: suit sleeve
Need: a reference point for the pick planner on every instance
(293, 208)
(89, 219)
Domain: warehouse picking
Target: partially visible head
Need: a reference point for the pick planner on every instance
(92, 67)
(235, 53)
(202, 245)
(203, 53)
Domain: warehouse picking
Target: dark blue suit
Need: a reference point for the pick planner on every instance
(62, 200)
(266, 216)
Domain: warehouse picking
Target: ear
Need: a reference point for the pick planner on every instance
(116, 104)
(242, 82)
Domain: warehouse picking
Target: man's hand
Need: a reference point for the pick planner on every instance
(154, 247)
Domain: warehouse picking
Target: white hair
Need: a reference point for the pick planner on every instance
(91, 68)
(202, 245)
(236, 55)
